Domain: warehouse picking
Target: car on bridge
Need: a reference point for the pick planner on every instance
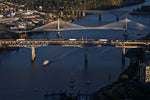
(72, 39)
(20, 39)
(103, 40)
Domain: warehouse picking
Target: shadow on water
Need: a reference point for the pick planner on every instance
(85, 60)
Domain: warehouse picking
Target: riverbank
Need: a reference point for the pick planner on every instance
(127, 86)
(106, 5)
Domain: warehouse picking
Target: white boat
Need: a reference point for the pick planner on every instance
(46, 62)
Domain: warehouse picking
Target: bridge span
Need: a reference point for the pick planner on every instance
(34, 43)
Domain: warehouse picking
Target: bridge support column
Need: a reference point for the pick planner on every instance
(73, 12)
(33, 53)
(100, 17)
(125, 35)
(61, 13)
(76, 14)
(117, 18)
(83, 14)
(79, 14)
(123, 55)
(58, 35)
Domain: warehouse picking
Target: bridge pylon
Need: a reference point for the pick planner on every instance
(58, 29)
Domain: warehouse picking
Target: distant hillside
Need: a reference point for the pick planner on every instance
(110, 4)
(145, 8)
(48, 5)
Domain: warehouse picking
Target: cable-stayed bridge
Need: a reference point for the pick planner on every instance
(60, 25)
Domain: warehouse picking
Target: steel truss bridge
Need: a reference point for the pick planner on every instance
(34, 43)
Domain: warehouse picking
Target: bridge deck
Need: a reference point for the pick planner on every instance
(74, 43)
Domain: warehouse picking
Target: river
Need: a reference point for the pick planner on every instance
(22, 79)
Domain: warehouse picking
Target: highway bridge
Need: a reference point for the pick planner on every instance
(34, 43)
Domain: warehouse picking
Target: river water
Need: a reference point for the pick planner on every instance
(23, 80)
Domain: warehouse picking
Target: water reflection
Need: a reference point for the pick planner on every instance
(33, 68)
(85, 60)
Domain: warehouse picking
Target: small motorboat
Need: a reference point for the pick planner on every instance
(46, 62)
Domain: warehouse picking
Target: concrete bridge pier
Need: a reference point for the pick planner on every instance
(123, 55)
(79, 14)
(33, 53)
(58, 35)
(83, 14)
(117, 18)
(125, 35)
(100, 17)
(73, 12)
(76, 14)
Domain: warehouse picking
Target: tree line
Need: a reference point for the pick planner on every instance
(48, 5)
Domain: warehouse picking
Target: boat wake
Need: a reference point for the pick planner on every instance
(65, 54)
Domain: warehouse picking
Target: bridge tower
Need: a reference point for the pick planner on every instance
(58, 29)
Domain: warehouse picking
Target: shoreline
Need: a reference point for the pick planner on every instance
(127, 80)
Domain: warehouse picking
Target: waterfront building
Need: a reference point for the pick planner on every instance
(144, 73)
